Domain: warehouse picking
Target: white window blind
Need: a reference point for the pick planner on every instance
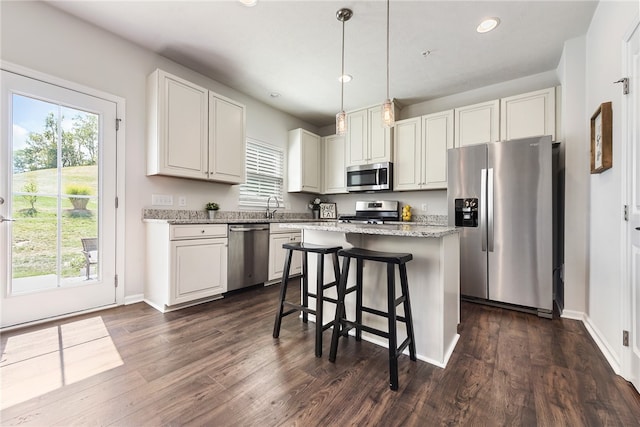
(264, 164)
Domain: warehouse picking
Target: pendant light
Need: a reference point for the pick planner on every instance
(343, 15)
(387, 108)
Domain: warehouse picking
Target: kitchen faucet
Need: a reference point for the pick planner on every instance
(271, 214)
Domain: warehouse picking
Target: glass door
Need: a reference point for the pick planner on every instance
(57, 235)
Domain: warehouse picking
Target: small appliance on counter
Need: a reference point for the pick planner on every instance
(373, 212)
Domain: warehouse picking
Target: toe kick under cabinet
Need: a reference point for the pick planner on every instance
(186, 264)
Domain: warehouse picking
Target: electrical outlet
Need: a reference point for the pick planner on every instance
(423, 207)
(161, 200)
(182, 201)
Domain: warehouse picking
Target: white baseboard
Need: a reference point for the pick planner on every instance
(574, 315)
(603, 345)
(133, 299)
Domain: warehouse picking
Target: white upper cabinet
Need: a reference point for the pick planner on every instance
(368, 141)
(227, 140)
(477, 124)
(437, 134)
(193, 132)
(333, 156)
(420, 155)
(407, 171)
(177, 125)
(304, 161)
(528, 114)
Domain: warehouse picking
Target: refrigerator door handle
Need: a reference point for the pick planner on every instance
(483, 211)
(490, 209)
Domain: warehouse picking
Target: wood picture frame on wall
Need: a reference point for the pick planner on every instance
(601, 134)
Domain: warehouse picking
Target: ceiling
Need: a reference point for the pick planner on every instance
(292, 48)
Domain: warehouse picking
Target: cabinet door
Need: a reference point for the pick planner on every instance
(357, 149)
(334, 150)
(437, 134)
(182, 138)
(310, 162)
(227, 140)
(199, 269)
(408, 155)
(303, 164)
(529, 114)
(277, 255)
(477, 124)
(379, 137)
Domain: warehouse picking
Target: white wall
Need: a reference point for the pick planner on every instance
(40, 37)
(573, 133)
(603, 67)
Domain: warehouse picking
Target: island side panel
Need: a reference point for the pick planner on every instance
(450, 260)
(433, 284)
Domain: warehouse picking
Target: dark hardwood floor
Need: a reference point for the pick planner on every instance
(216, 364)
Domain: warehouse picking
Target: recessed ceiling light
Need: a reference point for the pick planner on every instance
(249, 3)
(488, 25)
(274, 95)
(345, 78)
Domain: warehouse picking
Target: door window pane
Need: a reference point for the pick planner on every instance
(55, 193)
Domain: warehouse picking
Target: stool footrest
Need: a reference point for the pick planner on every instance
(404, 345)
(288, 312)
(297, 307)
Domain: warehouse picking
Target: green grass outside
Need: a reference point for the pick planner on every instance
(35, 242)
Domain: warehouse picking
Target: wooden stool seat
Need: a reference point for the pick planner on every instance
(341, 326)
(319, 296)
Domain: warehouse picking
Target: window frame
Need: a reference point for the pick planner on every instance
(258, 176)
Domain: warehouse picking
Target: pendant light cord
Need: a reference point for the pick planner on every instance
(342, 72)
(387, 49)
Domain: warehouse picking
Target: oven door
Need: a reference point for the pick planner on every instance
(373, 177)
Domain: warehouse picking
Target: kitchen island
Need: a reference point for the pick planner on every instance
(434, 278)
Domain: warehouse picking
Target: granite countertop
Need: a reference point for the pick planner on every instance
(393, 229)
(177, 221)
(424, 225)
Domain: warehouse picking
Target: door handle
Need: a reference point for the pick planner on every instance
(490, 212)
(483, 209)
(638, 228)
(3, 219)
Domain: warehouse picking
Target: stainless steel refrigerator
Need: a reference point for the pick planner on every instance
(505, 198)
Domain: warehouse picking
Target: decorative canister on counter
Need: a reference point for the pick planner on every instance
(406, 213)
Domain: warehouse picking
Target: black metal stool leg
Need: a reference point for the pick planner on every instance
(393, 339)
(407, 311)
(338, 323)
(319, 303)
(283, 294)
(359, 274)
(305, 286)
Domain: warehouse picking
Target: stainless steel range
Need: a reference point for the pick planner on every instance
(374, 212)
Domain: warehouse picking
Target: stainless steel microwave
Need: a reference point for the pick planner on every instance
(373, 177)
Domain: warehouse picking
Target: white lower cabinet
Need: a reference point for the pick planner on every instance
(186, 264)
(277, 254)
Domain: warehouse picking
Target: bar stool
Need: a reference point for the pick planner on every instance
(342, 326)
(306, 248)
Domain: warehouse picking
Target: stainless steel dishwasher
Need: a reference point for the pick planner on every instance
(248, 255)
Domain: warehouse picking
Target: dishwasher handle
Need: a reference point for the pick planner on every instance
(247, 229)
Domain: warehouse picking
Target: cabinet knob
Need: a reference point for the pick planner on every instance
(202, 231)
